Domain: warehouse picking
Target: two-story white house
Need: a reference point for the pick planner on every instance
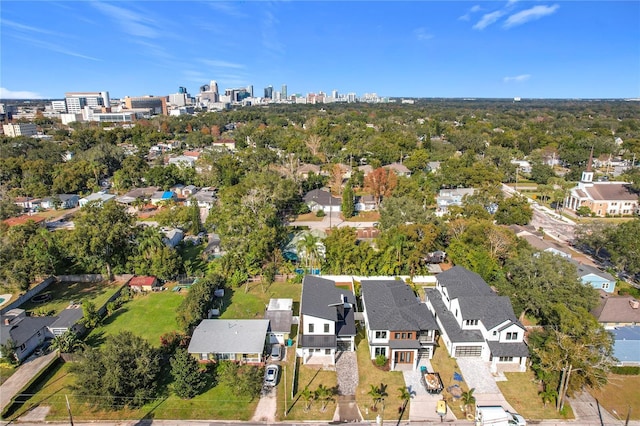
(399, 327)
(327, 321)
(475, 322)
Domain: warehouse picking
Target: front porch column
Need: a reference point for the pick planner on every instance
(523, 364)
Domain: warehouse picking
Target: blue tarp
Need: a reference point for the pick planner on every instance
(458, 377)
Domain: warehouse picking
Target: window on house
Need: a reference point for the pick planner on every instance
(512, 336)
(381, 334)
(409, 335)
(605, 285)
(495, 332)
(326, 328)
(506, 359)
(380, 351)
(471, 322)
(311, 328)
(327, 351)
(404, 335)
(396, 335)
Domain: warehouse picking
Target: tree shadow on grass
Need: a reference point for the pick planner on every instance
(95, 339)
(111, 318)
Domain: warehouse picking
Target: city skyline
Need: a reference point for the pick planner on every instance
(542, 49)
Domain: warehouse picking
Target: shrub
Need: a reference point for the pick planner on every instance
(381, 360)
(627, 370)
(320, 213)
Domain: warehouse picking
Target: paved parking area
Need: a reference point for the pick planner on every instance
(477, 375)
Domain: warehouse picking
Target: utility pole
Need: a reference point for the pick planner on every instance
(69, 410)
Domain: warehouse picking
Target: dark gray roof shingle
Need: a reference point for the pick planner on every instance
(462, 282)
(451, 327)
(392, 305)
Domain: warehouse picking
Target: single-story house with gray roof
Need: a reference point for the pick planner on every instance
(240, 340)
(26, 333)
(590, 275)
(399, 326)
(475, 322)
(279, 312)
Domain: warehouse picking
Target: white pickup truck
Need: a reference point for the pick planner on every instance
(495, 415)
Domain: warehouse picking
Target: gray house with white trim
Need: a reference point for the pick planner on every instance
(240, 340)
(327, 321)
(398, 325)
(476, 322)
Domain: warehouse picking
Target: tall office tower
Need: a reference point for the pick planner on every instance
(182, 90)
(213, 87)
(268, 92)
(59, 106)
(334, 94)
(250, 90)
(283, 92)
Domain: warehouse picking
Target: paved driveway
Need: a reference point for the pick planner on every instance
(477, 374)
(21, 378)
(266, 408)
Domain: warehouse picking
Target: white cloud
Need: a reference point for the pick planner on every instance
(517, 79)
(488, 19)
(18, 94)
(55, 48)
(131, 22)
(524, 16)
(226, 8)
(221, 64)
(467, 16)
(26, 28)
(422, 34)
(270, 41)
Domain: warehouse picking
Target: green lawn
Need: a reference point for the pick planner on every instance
(6, 370)
(369, 374)
(147, 315)
(62, 293)
(521, 390)
(446, 366)
(216, 402)
(621, 394)
(311, 376)
(250, 301)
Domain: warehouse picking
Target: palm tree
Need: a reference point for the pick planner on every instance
(324, 395)
(468, 399)
(377, 394)
(308, 248)
(308, 397)
(548, 396)
(405, 396)
(67, 342)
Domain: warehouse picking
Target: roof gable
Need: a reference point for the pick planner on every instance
(321, 296)
(392, 305)
(461, 282)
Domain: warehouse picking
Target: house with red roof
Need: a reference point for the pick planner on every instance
(147, 283)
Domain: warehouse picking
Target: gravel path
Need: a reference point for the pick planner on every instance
(347, 372)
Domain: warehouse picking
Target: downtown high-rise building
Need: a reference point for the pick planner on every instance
(76, 101)
(268, 92)
(283, 92)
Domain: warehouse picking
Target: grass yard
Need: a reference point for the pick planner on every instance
(216, 403)
(147, 315)
(6, 370)
(250, 300)
(621, 394)
(311, 376)
(62, 293)
(521, 390)
(369, 375)
(308, 217)
(369, 216)
(446, 366)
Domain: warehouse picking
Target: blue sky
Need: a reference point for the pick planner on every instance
(539, 49)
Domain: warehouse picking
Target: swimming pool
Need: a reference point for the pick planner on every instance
(1, 300)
